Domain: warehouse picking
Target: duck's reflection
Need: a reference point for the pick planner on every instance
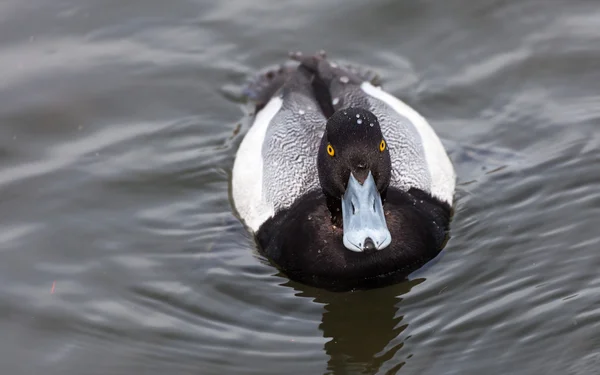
(361, 326)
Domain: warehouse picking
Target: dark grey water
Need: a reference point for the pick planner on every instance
(119, 252)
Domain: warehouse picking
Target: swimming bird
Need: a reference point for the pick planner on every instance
(343, 185)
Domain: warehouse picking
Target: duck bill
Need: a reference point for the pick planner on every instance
(365, 227)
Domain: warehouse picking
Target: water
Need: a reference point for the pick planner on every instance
(119, 252)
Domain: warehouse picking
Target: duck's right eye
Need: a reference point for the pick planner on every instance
(330, 150)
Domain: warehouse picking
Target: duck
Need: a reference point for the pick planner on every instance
(342, 185)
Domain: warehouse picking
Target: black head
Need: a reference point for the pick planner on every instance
(352, 143)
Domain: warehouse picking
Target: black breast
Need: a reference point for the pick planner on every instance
(305, 245)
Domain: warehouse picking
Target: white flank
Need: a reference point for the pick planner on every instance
(443, 177)
(247, 176)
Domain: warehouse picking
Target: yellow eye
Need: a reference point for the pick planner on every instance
(330, 150)
(382, 145)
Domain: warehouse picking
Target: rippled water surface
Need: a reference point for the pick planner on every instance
(119, 251)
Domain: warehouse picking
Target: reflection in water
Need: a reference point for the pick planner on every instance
(361, 325)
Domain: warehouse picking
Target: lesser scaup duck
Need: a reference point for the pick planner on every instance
(343, 185)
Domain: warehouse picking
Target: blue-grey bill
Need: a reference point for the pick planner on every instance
(363, 216)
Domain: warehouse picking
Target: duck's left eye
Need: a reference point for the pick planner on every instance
(382, 145)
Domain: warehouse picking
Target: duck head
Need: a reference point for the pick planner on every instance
(354, 172)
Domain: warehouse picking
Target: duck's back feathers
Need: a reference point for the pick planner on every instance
(276, 161)
(263, 86)
(291, 142)
(440, 178)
